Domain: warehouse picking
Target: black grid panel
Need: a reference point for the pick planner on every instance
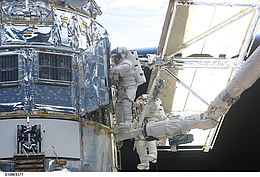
(8, 68)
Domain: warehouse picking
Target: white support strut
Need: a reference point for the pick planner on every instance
(243, 79)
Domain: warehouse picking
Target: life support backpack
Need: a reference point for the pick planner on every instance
(139, 73)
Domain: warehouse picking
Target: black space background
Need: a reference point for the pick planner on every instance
(236, 149)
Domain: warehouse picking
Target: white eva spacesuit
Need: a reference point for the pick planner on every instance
(243, 79)
(154, 112)
(124, 75)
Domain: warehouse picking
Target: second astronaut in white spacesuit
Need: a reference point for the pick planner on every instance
(124, 74)
(147, 147)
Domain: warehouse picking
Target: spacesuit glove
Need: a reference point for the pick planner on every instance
(111, 71)
(134, 124)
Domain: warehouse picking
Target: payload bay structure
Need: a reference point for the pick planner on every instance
(56, 97)
(202, 45)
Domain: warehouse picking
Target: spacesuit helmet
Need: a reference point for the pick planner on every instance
(118, 54)
(141, 101)
(115, 56)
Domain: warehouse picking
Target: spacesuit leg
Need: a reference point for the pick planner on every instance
(118, 107)
(152, 149)
(142, 152)
(127, 110)
(118, 113)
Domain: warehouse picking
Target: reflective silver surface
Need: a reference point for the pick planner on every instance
(54, 59)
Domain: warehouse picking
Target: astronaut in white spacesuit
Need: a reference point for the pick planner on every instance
(144, 145)
(123, 75)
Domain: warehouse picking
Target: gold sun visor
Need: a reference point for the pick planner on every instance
(203, 43)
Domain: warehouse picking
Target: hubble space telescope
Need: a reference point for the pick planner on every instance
(57, 100)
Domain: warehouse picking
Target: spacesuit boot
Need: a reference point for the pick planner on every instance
(142, 152)
(127, 110)
(152, 149)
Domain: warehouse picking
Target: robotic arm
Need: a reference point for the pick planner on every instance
(243, 79)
